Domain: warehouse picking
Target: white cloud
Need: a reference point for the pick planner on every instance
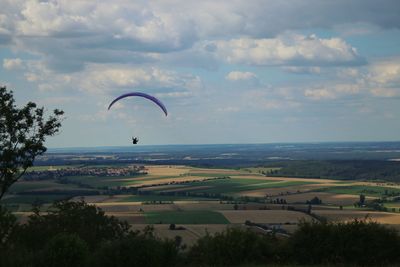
(385, 92)
(358, 28)
(69, 34)
(302, 70)
(12, 63)
(97, 79)
(56, 100)
(110, 78)
(228, 109)
(385, 72)
(319, 94)
(288, 49)
(239, 75)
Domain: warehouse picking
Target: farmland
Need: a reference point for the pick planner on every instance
(207, 198)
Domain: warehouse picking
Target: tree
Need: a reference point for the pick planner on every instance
(23, 132)
(88, 222)
(362, 199)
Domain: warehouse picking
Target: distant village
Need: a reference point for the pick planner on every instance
(130, 170)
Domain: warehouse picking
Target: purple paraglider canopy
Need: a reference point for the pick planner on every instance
(149, 97)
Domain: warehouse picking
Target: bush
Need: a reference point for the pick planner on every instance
(8, 223)
(358, 242)
(233, 247)
(88, 222)
(64, 250)
(136, 250)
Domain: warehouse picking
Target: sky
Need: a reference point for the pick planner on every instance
(260, 71)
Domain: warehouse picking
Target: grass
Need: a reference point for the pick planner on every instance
(185, 217)
(104, 181)
(57, 167)
(373, 191)
(29, 199)
(260, 169)
(232, 186)
(144, 198)
(22, 186)
(212, 175)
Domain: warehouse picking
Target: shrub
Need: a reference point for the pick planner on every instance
(232, 247)
(359, 242)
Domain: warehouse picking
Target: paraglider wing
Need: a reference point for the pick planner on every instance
(149, 97)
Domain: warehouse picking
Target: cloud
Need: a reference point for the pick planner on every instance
(318, 94)
(12, 63)
(5, 37)
(97, 79)
(290, 49)
(57, 100)
(228, 109)
(385, 72)
(239, 75)
(385, 92)
(302, 70)
(107, 79)
(383, 78)
(67, 35)
(270, 99)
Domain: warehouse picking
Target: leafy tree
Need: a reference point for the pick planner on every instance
(137, 250)
(8, 223)
(362, 199)
(233, 247)
(314, 201)
(88, 222)
(356, 243)
(64, 250)
(23, 132)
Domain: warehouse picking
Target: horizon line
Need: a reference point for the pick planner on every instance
(211, 144)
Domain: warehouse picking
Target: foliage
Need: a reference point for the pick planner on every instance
(232, 247)
(88, 222)
(77, 234)
(314, 201)
(64, 250)
(137, 250)
(8, 223)
(358, 242)
(338, 169)
(185, 217)
(23, 132)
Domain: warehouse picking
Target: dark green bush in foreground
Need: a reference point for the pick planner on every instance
(233, 247)
(77, 234)
(358, 242)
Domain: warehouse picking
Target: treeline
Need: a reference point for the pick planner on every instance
(77, 234)
(338, 169)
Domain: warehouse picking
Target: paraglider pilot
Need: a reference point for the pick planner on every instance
(135, 140)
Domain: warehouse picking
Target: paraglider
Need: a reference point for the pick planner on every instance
(149, 97)
(135, 140)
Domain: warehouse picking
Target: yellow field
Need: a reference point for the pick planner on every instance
(189, 236)
(347, 215)
(264, 216)
(327, 198)
(168, 178)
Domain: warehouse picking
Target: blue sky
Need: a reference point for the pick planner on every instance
(228, 71)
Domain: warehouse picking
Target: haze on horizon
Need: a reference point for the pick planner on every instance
(228, 71)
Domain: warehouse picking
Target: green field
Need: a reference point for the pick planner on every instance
(29, 199)
(104, 181)
(155, 197)
(57, 167)
(39, 185)
(185, 217)
(233, 186)
(260, 169)
(373, 191)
